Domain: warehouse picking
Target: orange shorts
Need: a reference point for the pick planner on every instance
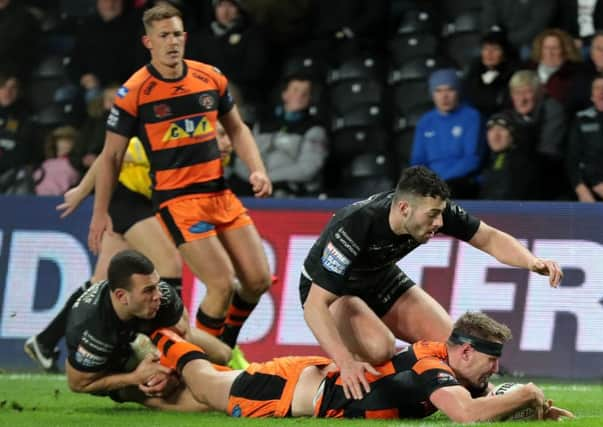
(266, 389)
(205, 215)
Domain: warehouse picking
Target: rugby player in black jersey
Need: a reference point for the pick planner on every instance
(107, 317)
(357, 301)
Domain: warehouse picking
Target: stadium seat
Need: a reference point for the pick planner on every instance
(468, 22)
(404, 47)
(416, 21)
(462, 48)
(408, 94)
(55, 114)
(350, 94)
(366, 174)
(77, 8)
(315, 68)
(51, 66)
(362, 116)
(453, 8)
(352, 141)
(358, 68)
(416, 69)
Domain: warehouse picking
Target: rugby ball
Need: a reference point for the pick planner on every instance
(520, 414)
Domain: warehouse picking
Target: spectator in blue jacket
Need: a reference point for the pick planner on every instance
(450, 138)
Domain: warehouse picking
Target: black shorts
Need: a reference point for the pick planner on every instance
(378, 290)
(127, 208)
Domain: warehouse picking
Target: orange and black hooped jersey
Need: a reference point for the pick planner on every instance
(176, 122)
(401, 391)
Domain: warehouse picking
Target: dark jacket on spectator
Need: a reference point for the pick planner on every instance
(106, 49)
(561, 82)
(18, 39)
(239, 52)
(492, 97)
(585, 149)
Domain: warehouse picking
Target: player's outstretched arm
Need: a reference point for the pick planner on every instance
(106, 177)
(456, 402)
(74, 196)
(507, 249)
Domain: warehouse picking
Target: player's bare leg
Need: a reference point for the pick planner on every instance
(148, 237)
(363, 333)
(417, 316)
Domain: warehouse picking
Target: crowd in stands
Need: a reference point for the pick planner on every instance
(503, 99)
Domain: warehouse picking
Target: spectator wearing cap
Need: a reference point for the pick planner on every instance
(234, 44)
(541, 121)
(450, 139)
(485, 83)
(510, 172)
(585, 149)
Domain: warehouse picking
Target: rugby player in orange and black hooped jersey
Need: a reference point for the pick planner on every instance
(452, 377)
(173, 105)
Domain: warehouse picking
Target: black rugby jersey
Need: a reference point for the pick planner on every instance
(97, 340)
(358, 244)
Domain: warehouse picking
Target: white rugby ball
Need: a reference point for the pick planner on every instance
(527, 413)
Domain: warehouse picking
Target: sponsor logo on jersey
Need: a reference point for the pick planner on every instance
(188, 128)
(149, 88)
(113, 118)
(207, 101)
(201, 77)
(179, 89)
(333, 260)
(236, 411)
(445, 378)
(122, 92)
(84, 358)
(162, 110)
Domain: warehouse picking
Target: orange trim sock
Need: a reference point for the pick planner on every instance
(211, 325)
(175, 352)
(238, 312)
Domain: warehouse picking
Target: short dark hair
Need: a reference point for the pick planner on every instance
(159, 13)
(123, 265)
(421, 181)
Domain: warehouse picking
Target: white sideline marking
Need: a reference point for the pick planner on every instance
(37, 377)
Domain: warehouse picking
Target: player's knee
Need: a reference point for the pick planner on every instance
(381, 350)
(258, 285)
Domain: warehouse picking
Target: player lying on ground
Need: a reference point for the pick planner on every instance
(428, 376)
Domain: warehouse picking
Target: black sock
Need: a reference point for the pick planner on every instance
(174, 282)
(55, 330)
(237, 314)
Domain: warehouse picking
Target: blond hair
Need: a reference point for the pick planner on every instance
(159, 13)
(569, 51)
(482, 326)
(523, 78)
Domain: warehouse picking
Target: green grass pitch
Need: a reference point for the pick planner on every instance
(45, 401)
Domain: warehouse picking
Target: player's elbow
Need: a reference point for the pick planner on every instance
(76, 385)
